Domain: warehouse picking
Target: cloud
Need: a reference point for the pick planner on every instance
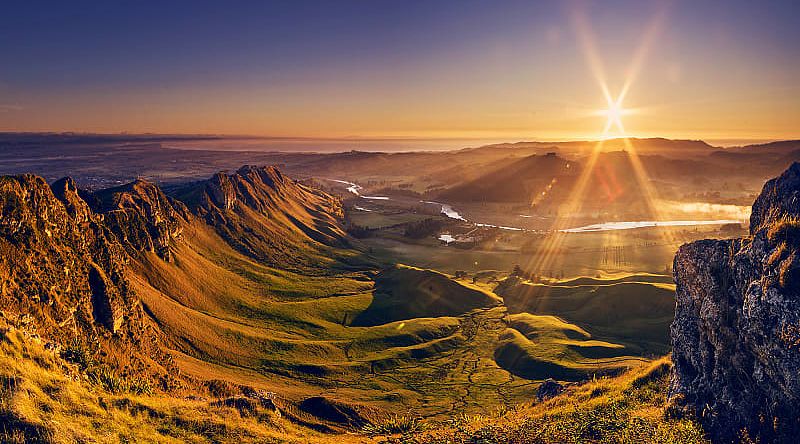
(4, 108)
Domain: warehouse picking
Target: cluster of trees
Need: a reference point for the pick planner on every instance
(359, 232)
(533, 277)
(423, 228)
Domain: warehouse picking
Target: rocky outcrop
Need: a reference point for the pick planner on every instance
(76, 267)
(736, 334)
(142, 217)
(548, 389)
(56, 256)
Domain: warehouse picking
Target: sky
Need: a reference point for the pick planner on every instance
(403, 69)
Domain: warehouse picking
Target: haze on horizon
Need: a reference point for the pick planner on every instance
(446, 69)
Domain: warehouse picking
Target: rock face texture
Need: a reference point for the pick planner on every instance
(58, 263)
(142, 217)
(736, 334)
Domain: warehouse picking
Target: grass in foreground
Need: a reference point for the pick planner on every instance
(630, 408)
(45, 400)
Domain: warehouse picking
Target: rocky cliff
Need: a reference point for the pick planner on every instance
(60, 264)
(736, 334)
(63, 278)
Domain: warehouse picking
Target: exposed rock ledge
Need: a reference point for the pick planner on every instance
(736, 334)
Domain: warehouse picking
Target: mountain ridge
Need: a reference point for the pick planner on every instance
(68, 254)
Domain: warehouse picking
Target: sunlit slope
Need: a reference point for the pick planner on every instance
(630, 408)
(540, 347)
(221, 306)
(635, 311)
(522, 180)
(228, 316)
(268, 216)
(232, 304)
(43, 399)
(252, 281)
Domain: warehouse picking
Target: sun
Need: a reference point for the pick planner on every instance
(614, 114)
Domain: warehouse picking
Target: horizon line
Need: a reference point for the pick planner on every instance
(498, 139)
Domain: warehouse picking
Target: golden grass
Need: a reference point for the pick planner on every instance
(635, 310)
(43, 399)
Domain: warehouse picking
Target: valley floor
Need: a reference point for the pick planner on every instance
(45, 399)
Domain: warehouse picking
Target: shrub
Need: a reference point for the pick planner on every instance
(221, 389)
(394, 424)
(139, 386)
(79, 353)
(108, 379)
(786, 230)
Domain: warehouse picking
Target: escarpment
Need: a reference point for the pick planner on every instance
(736, 333)
(266, 215)
(63, 278)
(51, 244)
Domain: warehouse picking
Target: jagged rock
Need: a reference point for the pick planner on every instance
(736, 334)
(67, 192)
(53, 253)
(221, 192)
(142, 217)
(66, 255)
(548, 389)
(63, 275)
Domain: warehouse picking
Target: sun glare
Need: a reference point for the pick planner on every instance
(614, 114)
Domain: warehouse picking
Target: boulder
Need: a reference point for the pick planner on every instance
(548, 389)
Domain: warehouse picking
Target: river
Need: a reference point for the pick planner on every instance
(450, 212)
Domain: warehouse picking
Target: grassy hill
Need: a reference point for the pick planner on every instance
(635, 311)
(630, 408)
(404, 293)
(45, 399)
(541, 347)
(249, 286)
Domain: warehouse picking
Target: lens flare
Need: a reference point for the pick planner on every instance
(614, 114)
